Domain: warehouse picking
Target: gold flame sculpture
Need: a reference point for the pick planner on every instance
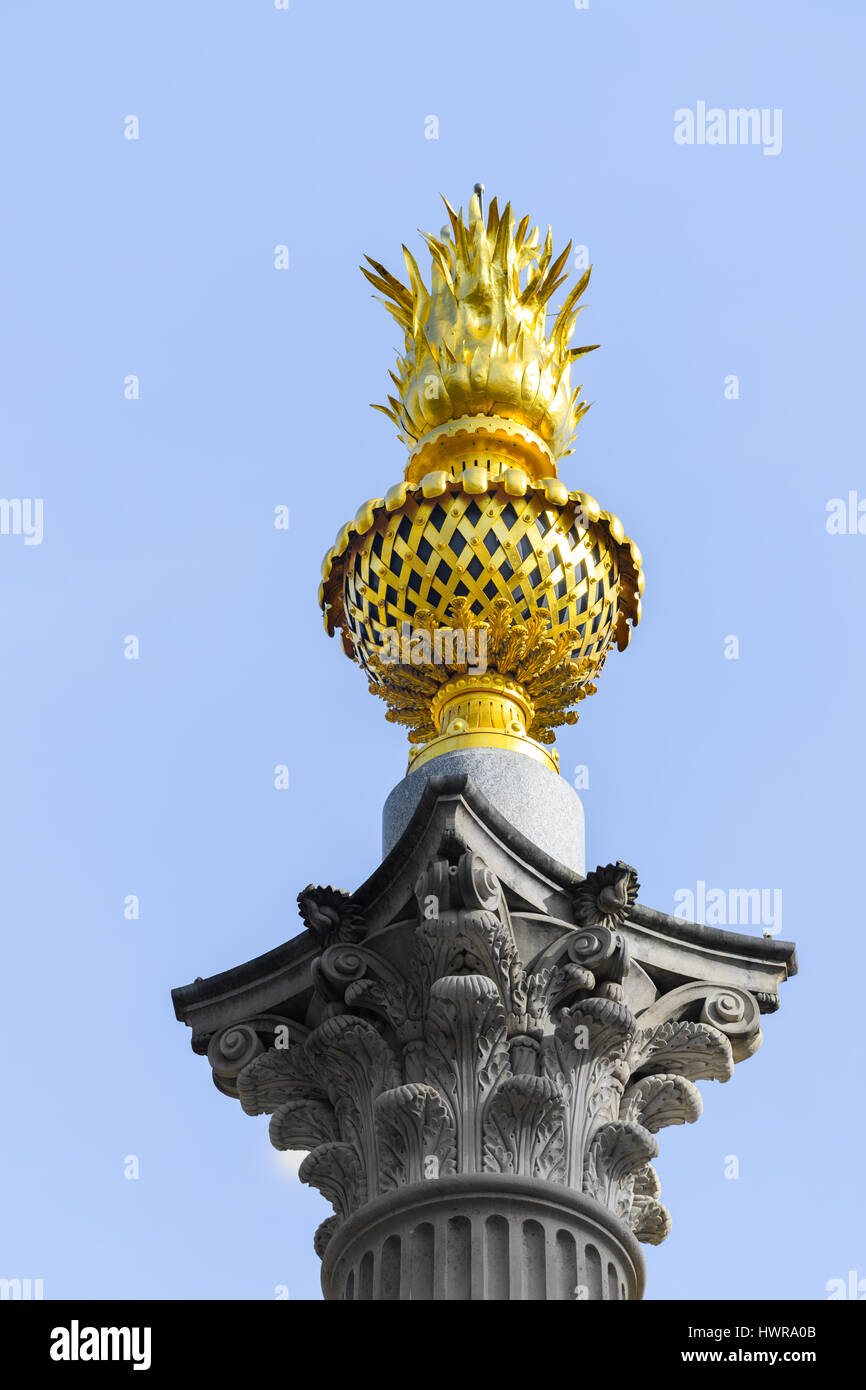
(480, 595)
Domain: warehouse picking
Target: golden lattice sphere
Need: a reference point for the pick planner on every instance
(480, 537)
(538, 556)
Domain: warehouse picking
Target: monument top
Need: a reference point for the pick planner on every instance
(479, 594)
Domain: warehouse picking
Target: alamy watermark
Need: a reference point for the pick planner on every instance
(737, 126)
(22, 516)
(731, 907)
(444, 647)
(21, 1290)
(77, 1343)
(846, 516)
(853, 1287)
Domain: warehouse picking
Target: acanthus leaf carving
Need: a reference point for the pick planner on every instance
(615, 1154)
(302, 1124)
(731, 1011)
(416, 1135)
(466, 1054)
(660, 1100)
(354, 1063)
(568, 980)
(523, 1128)
(335, 1169)
(470, 942)
(650, 1221)
(324, 1231)
(585, 1056)
(275, 1076)
(692, 1050)
(362, 979)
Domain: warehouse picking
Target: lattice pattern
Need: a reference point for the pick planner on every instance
(482, 548)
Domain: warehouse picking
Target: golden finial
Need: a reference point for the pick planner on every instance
(476, 340)
(480, 595)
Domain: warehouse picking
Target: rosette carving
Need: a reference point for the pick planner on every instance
(330, 914)
(606, 895)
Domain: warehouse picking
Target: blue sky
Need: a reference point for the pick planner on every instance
(155, 257)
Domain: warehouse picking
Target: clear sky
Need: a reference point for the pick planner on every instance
(155, 258)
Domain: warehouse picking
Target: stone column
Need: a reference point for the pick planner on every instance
(476, 1053)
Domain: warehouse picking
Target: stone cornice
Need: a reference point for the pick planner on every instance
(452, 807)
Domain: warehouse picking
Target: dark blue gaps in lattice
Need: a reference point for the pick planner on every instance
(415, 581)
(582, 602)
(543, 524)
(561, 589)
(505, 570)
(509, 515)
(473, 512)
(404, 530)
(461, 590)
(476, 607)
(490, 590)
(475, 567)
(377, 544)
(524, 547)
(491, 541)
(443, 572)
(535, 577)
(437, 517)
(457, 543)
(410, 606)
(425, 550)
(390, 595)
(434, 596)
